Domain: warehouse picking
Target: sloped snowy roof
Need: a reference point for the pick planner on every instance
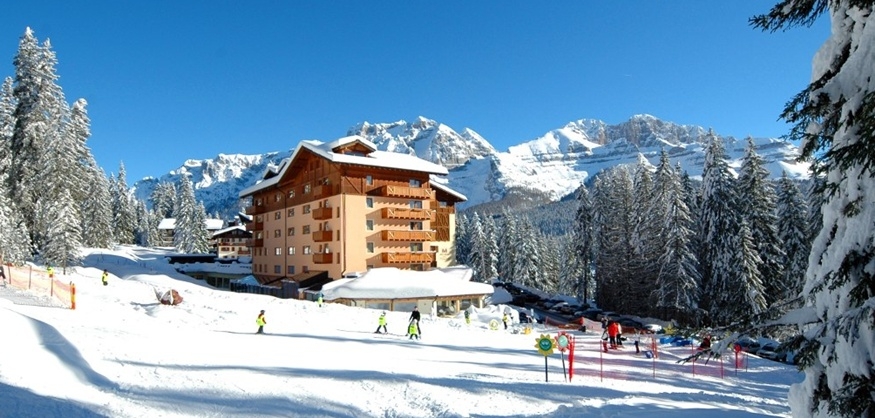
(374, 159)
(212, 224)
(393, 283)
(230, 228)
(437, 184)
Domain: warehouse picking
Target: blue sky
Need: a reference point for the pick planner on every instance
(168, 81)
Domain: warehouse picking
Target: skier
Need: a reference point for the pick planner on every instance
(468, 317)
(413, 329)
(382, 324)
(415, 316)
(104, 277)
(612, 334)
(51, 271)
(505, 318)
(319, 299)
(261, 322)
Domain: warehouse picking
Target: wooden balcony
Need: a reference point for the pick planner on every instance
(322, 258)
(322, 213)
(408, 257)
(407, 213)
(407, 192)
(389, 235)
(322, 236)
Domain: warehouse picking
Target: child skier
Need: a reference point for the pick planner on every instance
(413, 329)
(260, 321)
(381, 324)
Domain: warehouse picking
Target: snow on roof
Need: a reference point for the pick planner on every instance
(393, 283)
(446, 189)
(230, 228)
(373, 159)
(211, 224)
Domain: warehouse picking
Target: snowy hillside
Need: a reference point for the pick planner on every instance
(120, 353)
(550, 167)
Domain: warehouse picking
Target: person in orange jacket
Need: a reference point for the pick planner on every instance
(613, 330)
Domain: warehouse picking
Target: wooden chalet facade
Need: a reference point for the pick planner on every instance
(343, 207)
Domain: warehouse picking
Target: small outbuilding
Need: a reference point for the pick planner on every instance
(442, 292)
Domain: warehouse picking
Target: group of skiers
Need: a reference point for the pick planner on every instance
(413, 328)
(612, 334)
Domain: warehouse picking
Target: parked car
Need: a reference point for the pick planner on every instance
(654, 328)
(770, 351)
(748, 345)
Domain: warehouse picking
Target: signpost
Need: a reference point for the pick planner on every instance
(545, 345)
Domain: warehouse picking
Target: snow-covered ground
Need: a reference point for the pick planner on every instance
(122, 354)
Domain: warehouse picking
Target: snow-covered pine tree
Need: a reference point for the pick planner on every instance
(677, 285)
(201, 236)
(527, 248)
(648, 246)
(14, 237)
(462, 243)
(39, 120)
(97, 210)
(189, 233)
(62, 240)
(583, 246)
(742, 293)
(834, 117)
(793, 233)
(507, 237)
(489, 248)
(144, 222)
(162, 198)
(612, 203)
(123, 219)
(719, 223)
(759, 210)
(474, 233)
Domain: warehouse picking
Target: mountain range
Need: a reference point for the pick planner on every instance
(543, 169)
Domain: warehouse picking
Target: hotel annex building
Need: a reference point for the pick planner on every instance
(341, 207)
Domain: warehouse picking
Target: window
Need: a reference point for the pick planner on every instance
(291, 250)
(291, 231)
(259, 219)
(258, 202)
(369, 224)
(291, 193)
(415, 246)
(277, 251)
(307, 249)
(277, 233)
(278, 197)
(277, 216)
(415, 204)
(370, 247)
(369, 202)
(306, 209)
(417, 267)
(259, 235)
(307, 188)
(369, 180)
(305, 269)
(415, 183)
(442, 204)
(416, 226)
(278, 269)
(291, 270)
(291, 212)
(305, 229)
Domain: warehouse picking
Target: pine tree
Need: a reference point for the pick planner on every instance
(743, 292)
(489, 248)
(62, 244)
(189, 233)
(527, 249)
(719, 223)
(162, 198)
(507, 237)
(123, 219)
(645, 239)
(677, 284)
(759, 210)
(613, 206)
(583, 247)
(97, 210)
(793, 233)
(834, 117)
(14, 236)
(462, 242)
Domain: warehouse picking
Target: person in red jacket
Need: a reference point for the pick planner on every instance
(613, 330)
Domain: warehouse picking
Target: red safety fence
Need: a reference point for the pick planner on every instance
(42, 283)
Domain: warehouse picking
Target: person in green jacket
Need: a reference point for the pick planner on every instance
(105, 277)
(413, 329)
(382, 324)
(261, 322)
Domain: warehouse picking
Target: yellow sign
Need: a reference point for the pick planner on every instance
(544, 344)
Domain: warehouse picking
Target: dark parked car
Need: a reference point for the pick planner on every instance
(748, 345)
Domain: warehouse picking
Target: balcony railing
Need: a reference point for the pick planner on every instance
(322, 258)
(406, 213)
(389, 235)
(408, 257)
(324, 190)
(409, 192)
(322, 236)
(322, 213)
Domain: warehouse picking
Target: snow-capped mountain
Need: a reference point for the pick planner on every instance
(548, 167)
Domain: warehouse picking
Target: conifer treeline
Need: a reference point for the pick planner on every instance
(54, 198)
(655, 243)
